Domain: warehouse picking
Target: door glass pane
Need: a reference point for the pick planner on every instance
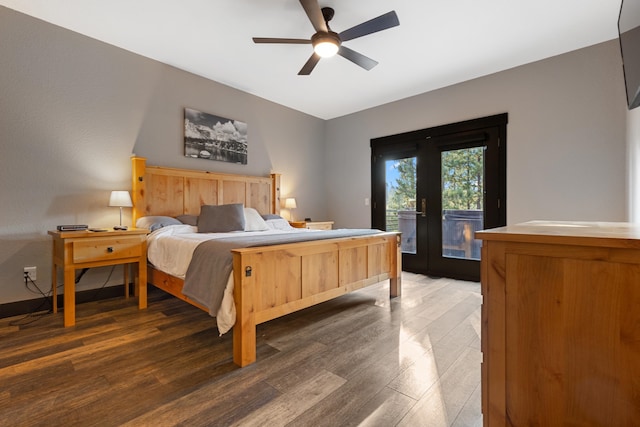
(462, 202)
(401, 201)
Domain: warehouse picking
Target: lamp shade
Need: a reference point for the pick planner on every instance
(290, 203)
(120, 199)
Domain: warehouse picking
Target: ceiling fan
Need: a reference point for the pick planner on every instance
(327, 43)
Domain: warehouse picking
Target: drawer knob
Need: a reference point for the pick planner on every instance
(109, 249)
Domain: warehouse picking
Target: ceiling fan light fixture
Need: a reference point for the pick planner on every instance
(326, 49)
(325, 44)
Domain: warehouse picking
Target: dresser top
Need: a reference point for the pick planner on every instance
(613, 234)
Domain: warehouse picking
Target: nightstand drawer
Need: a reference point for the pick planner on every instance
(86, 250)
(320, 225)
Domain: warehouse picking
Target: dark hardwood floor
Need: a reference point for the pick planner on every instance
(360, 360)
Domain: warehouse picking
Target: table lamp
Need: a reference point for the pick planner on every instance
(290, 204)
(121, 199)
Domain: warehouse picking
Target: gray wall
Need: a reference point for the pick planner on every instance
(566, 137)
(73, 110)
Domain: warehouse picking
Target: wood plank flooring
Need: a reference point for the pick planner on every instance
(360, 360)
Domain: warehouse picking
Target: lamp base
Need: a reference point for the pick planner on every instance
(120, 227)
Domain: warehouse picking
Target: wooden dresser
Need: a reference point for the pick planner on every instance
(561, 324)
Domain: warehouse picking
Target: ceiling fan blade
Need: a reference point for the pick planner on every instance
(382, 22)
(357, 58)
(310, 65)
(277, 40)
(314, 13)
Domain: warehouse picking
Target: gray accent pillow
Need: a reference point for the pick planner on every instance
(271, 216)
(221, 218)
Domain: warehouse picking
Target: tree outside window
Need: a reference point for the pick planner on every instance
(401, 186)
(462, 179)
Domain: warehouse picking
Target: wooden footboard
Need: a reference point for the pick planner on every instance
(272, 281)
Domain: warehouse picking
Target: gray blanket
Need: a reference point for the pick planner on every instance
(212, 261)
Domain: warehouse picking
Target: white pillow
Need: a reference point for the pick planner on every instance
(279, 224)
(155, 222)
(253, 221)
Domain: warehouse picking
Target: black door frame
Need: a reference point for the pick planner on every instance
(433, 139)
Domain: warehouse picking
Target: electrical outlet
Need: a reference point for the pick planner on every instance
(31, 271)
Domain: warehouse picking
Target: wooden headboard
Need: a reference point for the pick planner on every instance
(172, 192)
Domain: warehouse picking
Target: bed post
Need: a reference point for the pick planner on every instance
(244, 330)
(138, 169)
(275, 194)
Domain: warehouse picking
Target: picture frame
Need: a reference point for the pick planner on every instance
(211, 137)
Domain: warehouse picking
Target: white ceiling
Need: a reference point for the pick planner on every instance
(438, 42)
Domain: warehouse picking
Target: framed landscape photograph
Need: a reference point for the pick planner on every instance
(211, 137)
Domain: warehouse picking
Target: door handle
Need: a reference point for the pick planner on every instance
(423, 211)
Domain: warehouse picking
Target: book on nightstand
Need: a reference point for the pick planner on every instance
(72, 227)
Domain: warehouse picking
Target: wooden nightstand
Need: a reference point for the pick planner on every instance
(298, 224)
(320, 225)
(85, 249)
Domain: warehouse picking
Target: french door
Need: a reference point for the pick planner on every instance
(438, 187)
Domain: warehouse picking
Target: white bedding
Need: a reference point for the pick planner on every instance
(170, 249)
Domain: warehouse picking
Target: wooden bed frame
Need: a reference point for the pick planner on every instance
(269, 281)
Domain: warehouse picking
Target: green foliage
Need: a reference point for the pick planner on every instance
(401, 193)
(462, 179)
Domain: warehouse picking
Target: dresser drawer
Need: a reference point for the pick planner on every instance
(87, 250)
